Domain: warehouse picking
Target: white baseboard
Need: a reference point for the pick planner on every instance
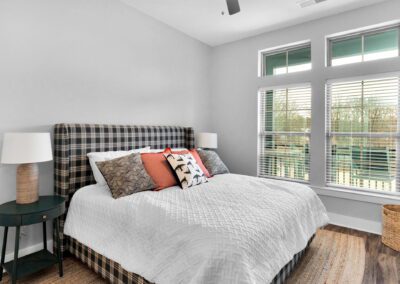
(355, 223)
(29, 250)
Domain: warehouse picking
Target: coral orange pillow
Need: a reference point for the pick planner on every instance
(195, 156)
(199, 162)
(159, 169)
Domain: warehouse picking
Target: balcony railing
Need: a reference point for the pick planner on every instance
(355, 166)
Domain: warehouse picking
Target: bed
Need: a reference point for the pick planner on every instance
(215, 232)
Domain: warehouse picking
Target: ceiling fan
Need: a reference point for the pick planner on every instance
(233, 6)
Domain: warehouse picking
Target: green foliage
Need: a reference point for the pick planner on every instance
(371, 115)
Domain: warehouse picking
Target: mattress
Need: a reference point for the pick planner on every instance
(233, 229)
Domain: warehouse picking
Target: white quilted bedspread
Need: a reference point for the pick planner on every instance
(233, 229)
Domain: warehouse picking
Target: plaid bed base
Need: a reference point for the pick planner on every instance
(107, 268)
(291, 265)
(73, 141)
(114, 273)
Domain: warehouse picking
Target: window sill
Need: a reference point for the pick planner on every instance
(363, 196)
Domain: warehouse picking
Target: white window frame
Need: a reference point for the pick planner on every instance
(328, 133)
(261, 133)
(351, 34)
(280, 49)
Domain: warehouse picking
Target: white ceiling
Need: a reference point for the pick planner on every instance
(202, 19)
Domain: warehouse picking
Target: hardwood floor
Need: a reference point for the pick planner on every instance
(382, 265)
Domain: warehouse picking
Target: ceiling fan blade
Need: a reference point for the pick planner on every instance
(233, 6)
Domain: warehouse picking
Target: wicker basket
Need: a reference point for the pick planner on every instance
(391, 226)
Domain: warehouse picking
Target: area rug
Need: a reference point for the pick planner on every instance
(332, 257)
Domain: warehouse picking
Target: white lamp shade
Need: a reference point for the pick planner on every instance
(25, 148)
(207, 140)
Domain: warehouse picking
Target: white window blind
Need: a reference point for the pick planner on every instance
(284, 132)
(363, 133)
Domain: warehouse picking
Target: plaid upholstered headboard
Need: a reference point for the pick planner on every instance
(73, 141)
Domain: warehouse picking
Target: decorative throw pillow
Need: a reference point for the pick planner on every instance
(195, 156)
(213, 162)
(106, 156)
(125, 175)
(163, 150)
(186, 169)
(158, 168)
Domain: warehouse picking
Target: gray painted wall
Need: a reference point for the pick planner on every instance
(95, 61)
(235, 83)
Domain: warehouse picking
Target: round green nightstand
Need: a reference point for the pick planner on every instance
(17, 215)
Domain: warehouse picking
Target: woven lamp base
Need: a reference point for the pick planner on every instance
(27, 183)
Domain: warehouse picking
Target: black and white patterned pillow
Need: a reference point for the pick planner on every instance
(213, 162)
(187, 170)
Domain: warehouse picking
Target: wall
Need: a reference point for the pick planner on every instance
(234, 88)
(94, 61)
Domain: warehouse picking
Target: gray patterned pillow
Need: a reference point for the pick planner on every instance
(213, 162)
(126, 175)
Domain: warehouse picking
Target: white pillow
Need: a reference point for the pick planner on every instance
(106, 156)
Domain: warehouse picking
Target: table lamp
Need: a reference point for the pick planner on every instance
(207, 140)
(26, 150)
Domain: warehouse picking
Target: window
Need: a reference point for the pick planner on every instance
(287, 60)
(363, 133)
(366, 46)
(284, 133)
